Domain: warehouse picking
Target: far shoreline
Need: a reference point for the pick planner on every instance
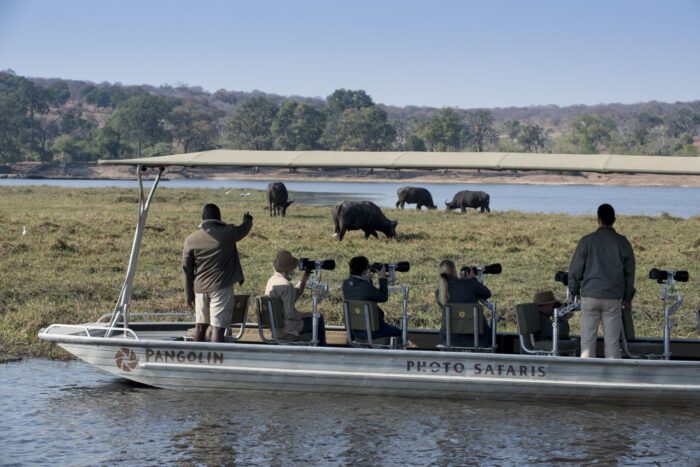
(92, 171)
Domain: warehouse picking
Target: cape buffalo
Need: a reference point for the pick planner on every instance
(415, 195)
(470, 199)
(363, 215)
(277, 199)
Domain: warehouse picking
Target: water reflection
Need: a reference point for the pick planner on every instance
(68, 413)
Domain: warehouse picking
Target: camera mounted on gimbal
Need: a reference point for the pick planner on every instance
(494, 268)
(661, 276)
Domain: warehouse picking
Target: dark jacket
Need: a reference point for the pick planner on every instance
(465, 291)
(210, 258)
(361, 288)
(546, 328)
(603, 266)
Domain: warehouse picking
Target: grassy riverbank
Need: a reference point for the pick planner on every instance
(70, 264)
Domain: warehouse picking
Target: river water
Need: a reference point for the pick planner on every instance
(68, 413)
(570, 199)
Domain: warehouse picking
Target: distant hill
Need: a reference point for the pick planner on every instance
(60, 120)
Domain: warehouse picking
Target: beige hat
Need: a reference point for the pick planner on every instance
(285, 262)
(545, 297)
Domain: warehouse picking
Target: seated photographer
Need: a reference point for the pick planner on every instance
(546, 303)
(359, 287)
(280, 286)
(466, 289)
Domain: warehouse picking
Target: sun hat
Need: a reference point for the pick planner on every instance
(285, 262)
(545, 297)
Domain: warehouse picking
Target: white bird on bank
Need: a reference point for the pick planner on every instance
(244, 194)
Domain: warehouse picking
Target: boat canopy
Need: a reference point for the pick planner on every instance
(601, 163)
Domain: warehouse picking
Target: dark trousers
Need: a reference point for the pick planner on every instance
(385, 330)
(309, 327)
(467, 340)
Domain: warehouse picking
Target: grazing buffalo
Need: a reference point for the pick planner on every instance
(415, 195)
(363, 215)
(277, 199)
(470, 199)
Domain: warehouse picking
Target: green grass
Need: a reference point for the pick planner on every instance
(70, 265)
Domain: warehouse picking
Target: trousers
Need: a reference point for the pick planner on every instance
(595, 311)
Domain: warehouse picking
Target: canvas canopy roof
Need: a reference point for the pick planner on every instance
(602, 163)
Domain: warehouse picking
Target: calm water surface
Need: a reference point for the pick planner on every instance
(571, 199)
(69, 413)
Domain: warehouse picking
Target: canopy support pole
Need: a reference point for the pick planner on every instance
(121, 311)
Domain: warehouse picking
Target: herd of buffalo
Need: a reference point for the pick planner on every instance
(368, 217)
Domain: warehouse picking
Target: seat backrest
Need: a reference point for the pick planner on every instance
(528, 318)
(628, 324)
(263, 305)
(240, 309)
(356, 315)
(462, 318)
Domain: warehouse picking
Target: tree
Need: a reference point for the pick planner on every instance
(250, 126)
(681, 121)
(193, 126)
(14, 127)
(480, 129)
(366, 129)
(297, 127)
(642, 124)
(340, 101)
(512, 129)
(345, 99)
(532, 137)
(444, 131)
(141, 119)
(589, 133)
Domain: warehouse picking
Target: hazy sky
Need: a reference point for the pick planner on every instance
(436, 53)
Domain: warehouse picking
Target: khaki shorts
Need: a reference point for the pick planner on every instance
(214, 308)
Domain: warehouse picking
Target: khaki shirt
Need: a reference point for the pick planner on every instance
(279, 286)
(210, 258)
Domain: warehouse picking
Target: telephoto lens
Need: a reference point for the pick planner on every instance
(494, 268)
(375, 267)
(399, 266)
(681, 276)
(402, 266)
(562, 276)
(306, 264)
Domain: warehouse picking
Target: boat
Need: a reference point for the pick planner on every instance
(159, 353)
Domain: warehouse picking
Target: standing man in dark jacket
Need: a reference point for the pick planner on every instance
(359, 287)
(211, 266)
(602, 274)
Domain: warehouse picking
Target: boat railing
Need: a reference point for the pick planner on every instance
(170, 314)
(90, 331)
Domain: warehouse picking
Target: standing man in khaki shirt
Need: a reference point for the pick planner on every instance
(602, 274)
(211, 266)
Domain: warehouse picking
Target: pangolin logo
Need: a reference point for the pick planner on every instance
(126, 359)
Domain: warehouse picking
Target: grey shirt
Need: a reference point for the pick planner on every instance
(603, 266)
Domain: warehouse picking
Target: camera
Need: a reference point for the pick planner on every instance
(309, 265)
(562, 276)
(399, 266)
(660, 275)
(488, 269)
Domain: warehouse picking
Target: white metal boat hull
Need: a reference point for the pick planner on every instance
(205, 366)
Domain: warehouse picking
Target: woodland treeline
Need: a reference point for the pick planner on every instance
(57, 120)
